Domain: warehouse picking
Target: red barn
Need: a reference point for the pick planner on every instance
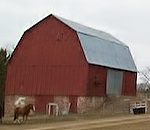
(61, 61)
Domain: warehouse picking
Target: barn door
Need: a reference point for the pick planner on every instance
(41, 102)
(114, 82)
(73, 101)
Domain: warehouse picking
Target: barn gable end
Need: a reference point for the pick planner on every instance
(48, 61)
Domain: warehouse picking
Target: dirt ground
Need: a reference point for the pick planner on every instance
(82, 122)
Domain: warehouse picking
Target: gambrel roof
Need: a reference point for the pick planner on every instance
(101, 48)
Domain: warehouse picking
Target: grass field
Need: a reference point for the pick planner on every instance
(92, 121)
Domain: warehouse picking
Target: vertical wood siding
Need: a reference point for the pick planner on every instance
(41, 102)
(97, 80)
(129, 83)
(48, 61)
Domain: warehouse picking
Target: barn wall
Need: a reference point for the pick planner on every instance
(10, 100)
(41, 101)
(97, 80)
(48, 61)
(63, 104)
(89, 103)
(62, 101)
(104, 105)
(80, 104)
(129, 83)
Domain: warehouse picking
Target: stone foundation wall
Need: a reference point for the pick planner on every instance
(116, 105)
(62, 101)
(10, 100)
(104, 105)
(84, 104)
(63, 104)
(9, 105)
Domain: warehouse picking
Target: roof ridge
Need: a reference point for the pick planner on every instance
(89, 30)
(103, 39)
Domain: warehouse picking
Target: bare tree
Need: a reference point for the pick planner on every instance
(145, 77)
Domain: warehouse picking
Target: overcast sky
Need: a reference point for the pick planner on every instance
(127, 20)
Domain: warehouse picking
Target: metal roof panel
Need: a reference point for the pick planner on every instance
(102, 52)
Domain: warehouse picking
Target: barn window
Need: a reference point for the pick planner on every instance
(114, 82)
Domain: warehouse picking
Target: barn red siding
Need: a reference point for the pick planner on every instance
(41, 102)
(97, 80)
(48, 61)
(129, 83)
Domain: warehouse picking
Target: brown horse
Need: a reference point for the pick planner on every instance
(24, 112)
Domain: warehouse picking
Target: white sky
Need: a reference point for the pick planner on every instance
(127, 20)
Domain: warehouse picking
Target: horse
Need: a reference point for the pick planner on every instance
(24, 112)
